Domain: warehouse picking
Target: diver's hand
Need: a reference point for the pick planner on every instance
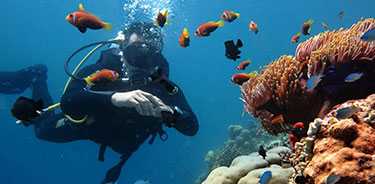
(145, 103)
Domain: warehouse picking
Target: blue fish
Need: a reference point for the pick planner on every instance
(313, 81)
(266, 177)
(353, 77)
(369, 35)
(332, 179)
(347, 112)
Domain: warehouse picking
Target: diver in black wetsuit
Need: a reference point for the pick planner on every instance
(124, 113)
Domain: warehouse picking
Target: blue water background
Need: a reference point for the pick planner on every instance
(36, 32)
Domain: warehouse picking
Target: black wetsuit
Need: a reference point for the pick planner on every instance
(122, 129)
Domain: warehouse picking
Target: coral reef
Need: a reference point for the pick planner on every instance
(280, 89)
(240, 141)
(345, 147)
(249, 168)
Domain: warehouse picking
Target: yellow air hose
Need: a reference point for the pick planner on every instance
(70, 79)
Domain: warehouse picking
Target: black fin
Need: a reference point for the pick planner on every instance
(82, 29)
(239, 43)
(113, 174)
(101, 152)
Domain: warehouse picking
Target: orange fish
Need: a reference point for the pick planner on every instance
(184, 40)
(161, 19)
(206, 28)
(254, 27)
(295, 38)
(306, 27)
(240, 78)
(229, 16)
(243, 65)
(83, 20)
(324, 25)
(102, 76)
(303, 65)
(278, 119)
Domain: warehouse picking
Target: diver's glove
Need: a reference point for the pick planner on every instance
(145, 103)
(170, 118)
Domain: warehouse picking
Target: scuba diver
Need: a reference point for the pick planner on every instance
(130, 101)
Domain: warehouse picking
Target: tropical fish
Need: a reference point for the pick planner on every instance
(243, 64)
(161, 19)
(262, 152)
(229, 16)
(369, 35)
(341, 14)
(313, 81)
(24, 109)
(332, 179)
(184, 40)
(102, 76)
(324, 25)
(266, 177)
(278, 119)
(295, 38)
(160, 77)
(206, 28)
(353, 77)
(83, 20)
(231, 50)
(240, 78)
(346, 112)
(303, 65)
(253, 27)
(306, 27)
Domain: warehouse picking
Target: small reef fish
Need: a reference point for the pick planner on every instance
(184, 40)
(302, 66)
(161, 19)
(232, 50)
(332, 179)
(253, 27)
(341, 14)
(262, 152)
(229, 16)
(313, 81)
(278, 119)
(102, 76)
(324, 25)
(266, 177)
(206, 28)
(306, 27)
(240, 78)
(353, 77)
(346, 112)
(243, 65)
(24, 109)
(160, 77)
(295, 38)
(369, 35)
(83, 20)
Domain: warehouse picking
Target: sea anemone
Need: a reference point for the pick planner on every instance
(337, 47)
(280, 89)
